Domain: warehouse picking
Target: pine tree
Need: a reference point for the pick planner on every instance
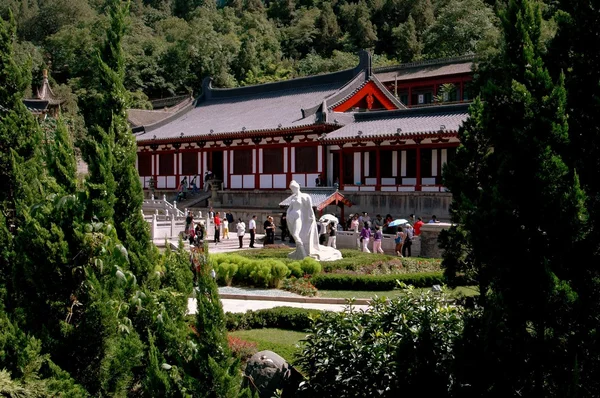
(519, 206)
(60, 159)
(19, 132)
(408, 46)
(218, 371)
(114, 185)
(575, 51)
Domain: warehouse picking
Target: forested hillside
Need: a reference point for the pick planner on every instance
(171, 45)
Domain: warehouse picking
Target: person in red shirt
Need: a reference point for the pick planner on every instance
(217, 221)
(417, 226)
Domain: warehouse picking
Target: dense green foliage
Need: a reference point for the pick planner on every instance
(88, 307)
(376, 282)
(523, 223)
(171, 45)
(398, 347)
(289, 318)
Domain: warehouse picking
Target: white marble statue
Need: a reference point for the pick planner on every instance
(301, 222)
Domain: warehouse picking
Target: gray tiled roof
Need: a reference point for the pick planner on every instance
(412, 121)
(244, 113)
(425, 69)
(317, 197)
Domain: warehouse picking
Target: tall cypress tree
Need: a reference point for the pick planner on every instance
(519, 206)
(114, 185)
(575, 50)
(19, 131)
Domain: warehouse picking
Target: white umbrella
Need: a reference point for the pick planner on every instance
(399, 221)
(329, 218)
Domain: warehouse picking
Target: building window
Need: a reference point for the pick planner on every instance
(272, 160)
(372, 164)
(242, 161)
(426, 163)
(386, 164)
(307, 159)
(411, 163)
(189, 163)
(145, 164)
(165, 163)
(348, 161)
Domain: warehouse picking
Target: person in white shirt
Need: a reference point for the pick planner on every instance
(433, 220)
(252, 229)
(225, 227)
(241, 231)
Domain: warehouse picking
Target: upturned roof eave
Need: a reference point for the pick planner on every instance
(385, 137)
(228, 135)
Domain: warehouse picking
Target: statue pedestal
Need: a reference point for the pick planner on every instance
(214, 188)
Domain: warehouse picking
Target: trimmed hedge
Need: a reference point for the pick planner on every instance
(375, 282)
(289, 318)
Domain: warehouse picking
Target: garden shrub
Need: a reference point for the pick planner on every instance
(261, 274)
(375, 282)
(405, 346)
(289, 318)
(295, 269)
(301, 286)
(278, 272)
(241, 348)
(225, 272)
(310, 266)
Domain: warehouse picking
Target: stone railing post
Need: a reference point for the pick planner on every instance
(156, 212)
(172, 226)
(154, 226)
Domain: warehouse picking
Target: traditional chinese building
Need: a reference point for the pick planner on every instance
(45, 102)
(381, 135)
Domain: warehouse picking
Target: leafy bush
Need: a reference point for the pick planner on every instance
(240, 348)
(398, 348)
(278, 272)
(225, 273)
(296, 269)
(310, 266)
(289, 318)
(300, 286)
(375, 282)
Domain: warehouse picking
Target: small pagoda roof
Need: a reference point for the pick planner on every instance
(45, 92)
(321, 198)
(426, 69)
(36, 106)
(439, 120)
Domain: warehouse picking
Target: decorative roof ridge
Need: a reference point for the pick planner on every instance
(300, 82)
(173, 116)
(429, 62)
(348, 90)
(387, 93)
(45, 91)
(373, 115)
(175, 100)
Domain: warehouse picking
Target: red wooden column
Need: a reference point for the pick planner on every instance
(462, 88)
(341, 176)
(378, 167)
(418, 184)
(256, 141)
(409, 96)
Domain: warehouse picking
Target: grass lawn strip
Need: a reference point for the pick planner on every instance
(280, 341)
(466, 291)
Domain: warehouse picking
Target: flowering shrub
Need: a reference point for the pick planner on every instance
(241, 349)
(301, 286)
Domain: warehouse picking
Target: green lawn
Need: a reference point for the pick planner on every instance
(282, 342)
(461, 290)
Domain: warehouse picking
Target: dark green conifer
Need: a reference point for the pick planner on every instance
(519, 206)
